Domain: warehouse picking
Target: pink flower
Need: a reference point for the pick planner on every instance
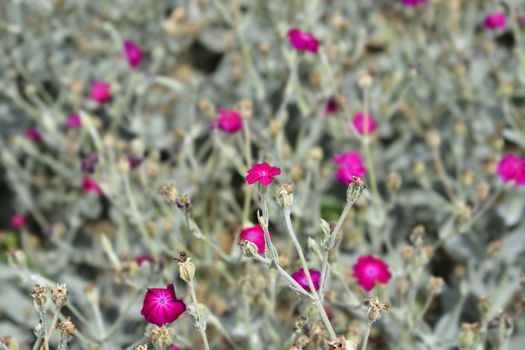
(412, 3)
(143, 259)
(133, 53)
(18, 221)
(364, 124)
(521, 20)
(303, 41)
(173, 347)
(255, 234)
(228, 121)
(100, 92)
(74, 121)
(331, 106)
(90, 185)
(262, 172)
(368, 270)
(508, 167)
(495, 20)
(300, 277)
(161, 306)
(350, 164)
(33, 135)
(328, 311)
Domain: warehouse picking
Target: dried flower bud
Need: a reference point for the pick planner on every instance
(208, 108)
(314, 156)
(169, 192)
(435, 285)
(468, 178)
(40, 296)
(161, 337)
(464, 213)
(402, 285)
(275, 127)
(428, 252)
(66, 328)
(59, 295)
(341, 344)
(245, 107)
(376, 309)
(284, 195)
(8, 342)
(460, 127)
(264, 48)
(418, 235)
(499, 330)
(494, 247)
(248, 248)
(433, 139)
(484, 305)
(91, 293)
(393, 182)
(187, 270)
(364, 79)
(354, 189)
(482, 191)
(407, 254)
(142, 347)
(469, 336)
(184, 203)
(325, 229)
(419, 168)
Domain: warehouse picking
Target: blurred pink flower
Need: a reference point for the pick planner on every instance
(161, 306)
(229, 121)
(100, 92)
(364, 125)
(173, 347)
(495, 20)
(133, 53)
(18, 221)
(331, 106)
(521, 20)
(349, 164)
(329, 312)
(300, 277)
(90, 185)
(368, 270)
(414, 2)
(33, 135)
(74, 121)
(255, 234)
(143, 259)
(262, 172)
(508, 167)
(303, 41)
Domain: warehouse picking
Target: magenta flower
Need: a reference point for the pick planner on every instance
(368, 270)
(364, 124)
(90, 185)
(173, 347)
(255, 234)
(74, 121)
(349, 164)
(331, 106)
(133, 53)
(511, 168)
(18, 221)
(328, 311)
(161, 306)
(303, 41)
(412, 3)
(100, 92)
(300, 277)
(143, 259)
(521, 20)
(262, 172)
(495, 20)
(33, 135)
(228, 121)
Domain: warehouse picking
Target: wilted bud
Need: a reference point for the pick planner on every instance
(435, 285)
(376, 309)
(248, 248)
(418, 235)
(123, 165)
(314, 156)
(264, 48)
(354, 189)
(407, 254)
(433, 139)
(341, 344)
(40, 296)
(469, 336)
(325, 229)
(245, 107)
(482, 191)
(494, 247)
(364, 79)
(468, 178)
(59, 295)
(186, 270)
(393, 182)
(427, 251)
(142, 347)
(66, 328)
(161, 337)
(296, 173)
(169, 192)
(276, 126)
(184, 203)
(464, 213)
(208, 108)
(284, 195)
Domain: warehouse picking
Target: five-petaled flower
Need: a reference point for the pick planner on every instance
(18, 221)
(229, 121)
(495, 20)
(133, 53)
(161, 306)
(349, 164)
(255, 234)
(368, 270)
(303, 41)
(262, 172)
(512, 168)
(100, 92)
(364, 123)
(300, 277)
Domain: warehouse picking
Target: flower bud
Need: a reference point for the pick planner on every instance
(248, 248)
(169, 192)
(59, 295)
(407, 254)
(499, 330)
(184, 203)
(66, 328)
(393, 182)
(364, 79)
(8, 342)
(376, 309)
(142, 347)
(435, 285)
(284, 195)
(40, 296)
(433, 139)
(482, 191)
(325, 229)
(469, 336)
(418, 235)
(419, 168)
(354, 189)
(161, 337)
(187, 270)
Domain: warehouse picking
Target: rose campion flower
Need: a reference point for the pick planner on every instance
(143, 259)
(228, 121)
(412, 3)
(331, 106)
(255, 234)
(173, 347)
(521, 20)
(100, 92)
(161, 305)
(300, 277)
(262, 172)
(74, 121)
(495, 20)
(368, 270)
(303, 41)
(89, 163)
(512, 168)
(33, 135)
(90, 185)
(349, 164)
(133, 53)
(18, 221)
(363, 124)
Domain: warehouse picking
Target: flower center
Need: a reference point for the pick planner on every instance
(371, 271)
(162, 300)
